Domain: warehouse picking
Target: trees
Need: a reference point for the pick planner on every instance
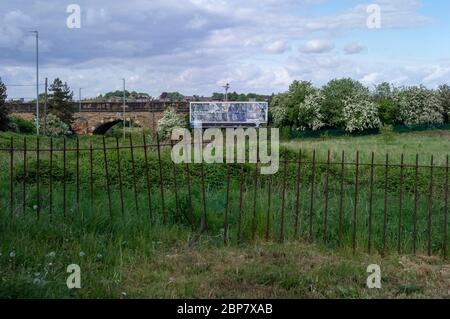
(360, 112)
(385, 96)
(285, 106)
(309, 115)
(335, 93)
(4, 112)
(418, 105)
(59, 102)
(444, 98)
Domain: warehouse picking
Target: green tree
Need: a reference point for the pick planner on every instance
(5, 121)
(444, 97)
(385, 97)
(286, 106)
(335, 93)
(59, 102)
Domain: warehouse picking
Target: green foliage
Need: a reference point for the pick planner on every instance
(5, 121)
(335, 94)
(172, 96)
(234, 96)
(23, 126)
(387, 133)
(385, 96)
(444, 98)
(59, 102)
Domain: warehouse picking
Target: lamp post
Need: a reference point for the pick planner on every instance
(124, 120)
(37, 81)
(79, 100)
(226, 87)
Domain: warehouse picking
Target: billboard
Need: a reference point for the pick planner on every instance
(228, 114)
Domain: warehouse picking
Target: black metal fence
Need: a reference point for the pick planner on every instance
(369, 206)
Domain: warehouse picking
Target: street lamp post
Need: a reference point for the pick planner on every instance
(226, 87)
(124, 120)
(79, 100)
(37, 81)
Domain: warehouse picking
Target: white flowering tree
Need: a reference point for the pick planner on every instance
(169, 121)
(360, 113)
(278, 110)
(418, 105)
(309, 113)
(54, 126)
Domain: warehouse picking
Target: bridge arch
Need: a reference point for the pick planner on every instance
(105, 127)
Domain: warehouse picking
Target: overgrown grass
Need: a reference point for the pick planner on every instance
(132, 253)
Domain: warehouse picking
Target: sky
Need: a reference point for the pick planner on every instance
(197, 46)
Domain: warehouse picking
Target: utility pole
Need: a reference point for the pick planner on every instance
(37, 81)
(124, 120)
(226, 87)
(79, 100)
(45, 106)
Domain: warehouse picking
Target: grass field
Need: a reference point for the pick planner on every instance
(426, 144)
(131, 257)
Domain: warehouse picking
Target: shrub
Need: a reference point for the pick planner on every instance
(360, 113)
(418, 105)
(309, 114)
(23, 126)
(55, 127)
(169, 121)
(335, 93)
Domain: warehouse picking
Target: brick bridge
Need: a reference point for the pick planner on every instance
(99, 117)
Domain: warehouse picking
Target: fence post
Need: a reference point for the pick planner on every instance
(78, 180)
(38, 191)
(161, 180)
(355, 207)
(91, 175)
(25, 176)
(11, 178)
(369, 245)
(283, 200)
(51, 180)
(400, 209)
(64, 177)
(119, 172)
(416, 195)
(255, 194)
(430, 208)
(241, 198)
(204, 197)
(227, 202)
(133, 168)
(313, 186)
(341, 198)
(147, 175)
(175, 185)
(386, 172)
(326, 190)
(108, 185)
(446, 210)
(191, 210)
(297, 201)
(269, 202)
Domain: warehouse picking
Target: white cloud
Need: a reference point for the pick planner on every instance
(277, 47)
(354, 48)
(317, 46)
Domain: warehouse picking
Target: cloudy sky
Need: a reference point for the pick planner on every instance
(195, 46)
